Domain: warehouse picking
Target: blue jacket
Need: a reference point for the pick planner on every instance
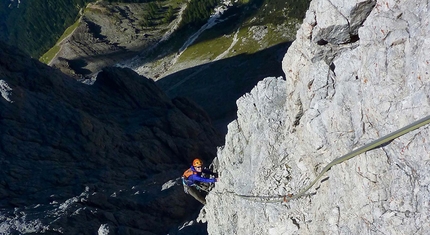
(197, 177)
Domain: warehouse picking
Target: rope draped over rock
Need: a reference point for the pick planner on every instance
(372, 145)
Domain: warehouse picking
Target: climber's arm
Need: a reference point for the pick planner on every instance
(201, 179)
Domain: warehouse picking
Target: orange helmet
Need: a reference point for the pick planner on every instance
(197, 162)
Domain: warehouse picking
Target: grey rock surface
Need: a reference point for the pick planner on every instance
(336, 97)
(75, 157)
(108, 33)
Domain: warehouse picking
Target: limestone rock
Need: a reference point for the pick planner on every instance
(337, 97)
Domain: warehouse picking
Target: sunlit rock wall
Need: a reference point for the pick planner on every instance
(358, 70)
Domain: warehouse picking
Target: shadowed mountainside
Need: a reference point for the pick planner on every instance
(115, 143)
(217, 85)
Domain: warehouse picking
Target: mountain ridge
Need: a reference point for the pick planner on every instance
(89, 155)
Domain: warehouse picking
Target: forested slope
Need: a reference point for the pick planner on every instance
(34, 26)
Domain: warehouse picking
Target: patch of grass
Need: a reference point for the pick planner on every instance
(69, 31)
(50, 54)
(207, 49)
(272, 20)
(270, 16)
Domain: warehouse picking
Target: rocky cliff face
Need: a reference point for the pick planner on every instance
(108, 33)
(77, 158)
(358, 70)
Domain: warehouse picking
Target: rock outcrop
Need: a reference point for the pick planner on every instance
(358, 70)
(77, 158)
(108, 33)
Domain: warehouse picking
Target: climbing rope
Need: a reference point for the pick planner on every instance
(374, 144)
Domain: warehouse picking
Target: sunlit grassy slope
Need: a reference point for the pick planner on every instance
(247, 29)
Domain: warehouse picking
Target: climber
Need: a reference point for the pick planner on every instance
(194, 183)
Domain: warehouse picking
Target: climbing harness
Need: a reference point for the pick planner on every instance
(372, 145)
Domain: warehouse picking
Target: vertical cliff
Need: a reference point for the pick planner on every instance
(357, 71)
